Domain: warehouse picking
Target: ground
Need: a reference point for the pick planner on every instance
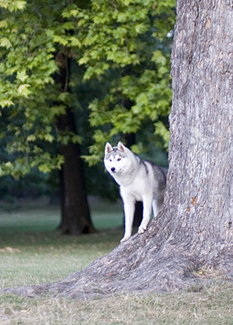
(31, 252)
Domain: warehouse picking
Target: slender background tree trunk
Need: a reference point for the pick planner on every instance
(74, 206)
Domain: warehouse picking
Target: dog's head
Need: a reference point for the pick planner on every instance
(115, 159)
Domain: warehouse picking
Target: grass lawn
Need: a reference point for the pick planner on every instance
(32, 252)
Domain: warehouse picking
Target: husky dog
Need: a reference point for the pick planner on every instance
(139, 180)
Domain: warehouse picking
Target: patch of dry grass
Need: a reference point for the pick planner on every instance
(212, 306)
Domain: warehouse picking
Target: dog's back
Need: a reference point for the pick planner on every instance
(148, 179)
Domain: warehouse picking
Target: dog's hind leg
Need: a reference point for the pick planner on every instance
(157, 205)
(147, 205)
(155, 208)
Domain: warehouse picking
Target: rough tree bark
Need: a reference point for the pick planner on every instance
(192, 238)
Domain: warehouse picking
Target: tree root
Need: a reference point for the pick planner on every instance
(142, 264)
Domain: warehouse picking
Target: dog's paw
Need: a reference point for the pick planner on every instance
(125, 238)
(142, 229)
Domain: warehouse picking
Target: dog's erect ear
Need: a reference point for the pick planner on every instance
(108, 148)
(121, 147)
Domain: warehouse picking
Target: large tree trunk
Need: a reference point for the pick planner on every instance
(192, 238)
(200, 182)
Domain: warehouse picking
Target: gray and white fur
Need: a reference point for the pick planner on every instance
(139, 180)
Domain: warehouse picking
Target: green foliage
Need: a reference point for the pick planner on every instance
(12, 5)
(126, 43)
(122, 45)
(27, 91)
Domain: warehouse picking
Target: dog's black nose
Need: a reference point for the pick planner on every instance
(113, 169)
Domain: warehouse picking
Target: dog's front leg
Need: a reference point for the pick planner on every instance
(129, 207)
(147, 207)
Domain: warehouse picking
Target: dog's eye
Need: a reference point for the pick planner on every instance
(110, 160)
(118, 159)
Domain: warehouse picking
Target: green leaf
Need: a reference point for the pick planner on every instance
(19, 5)
(49, 137)
(45, 168)
(23, 90)
(159, 58)
(31, 138)
(13, 5)
(64, 97)
(5, 42)
(68, 25)
(6, 103)
(74, 41)
(61, 40)
(161, 130)
(3, 24)
(57, 110)
(22, 75)
(141, 28)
